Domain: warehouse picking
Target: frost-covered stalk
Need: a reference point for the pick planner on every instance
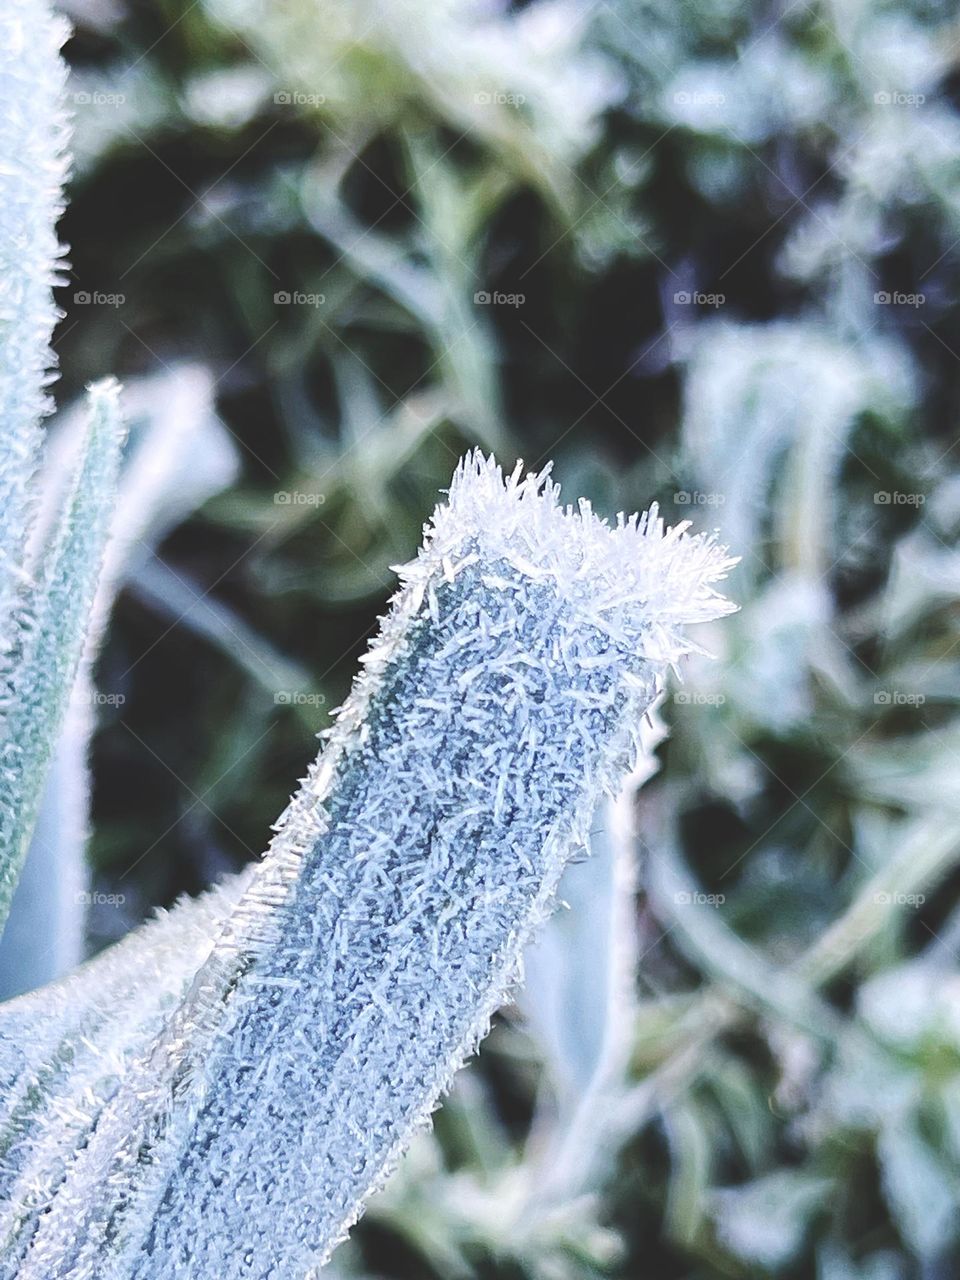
(503, 695)
(43, 604)
(50, 642)
(179, 455)
(32, 169)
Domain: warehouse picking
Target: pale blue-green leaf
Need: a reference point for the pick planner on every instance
(580, 996)
(924, 577)
(43, 935)
(32, 169)
(368, 951)
(57, 609)
(913, 1006)
(767, 412)
(178, 455)
(867, 1083)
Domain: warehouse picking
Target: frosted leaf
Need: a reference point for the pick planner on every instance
(50, 642)
(179, 453)
(580, 998)
(32, 169)
(364, 959)
(768, 409)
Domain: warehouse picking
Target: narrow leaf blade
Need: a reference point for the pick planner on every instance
(52, 639)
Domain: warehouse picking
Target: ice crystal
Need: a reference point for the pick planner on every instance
(367, 953)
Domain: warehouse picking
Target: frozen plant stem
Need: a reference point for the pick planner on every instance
(33, 164)
(502, 697)
(55, 614)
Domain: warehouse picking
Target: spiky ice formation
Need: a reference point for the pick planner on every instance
(503, 695)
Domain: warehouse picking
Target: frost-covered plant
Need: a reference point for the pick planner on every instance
(32, 145)
(177, 456)
(45, 592)
(799, 399)
(366, 954)
(49, 639)
(221, 1095)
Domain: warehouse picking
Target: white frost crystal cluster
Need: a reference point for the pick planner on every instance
(230, 1119)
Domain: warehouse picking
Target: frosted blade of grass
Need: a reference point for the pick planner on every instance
(51, 641)
(54, 1041)
(43, 934)
(925, 850)
(72, 1041)
(179, 454)
(32, 170)
(501, 699)
(581, 997)
(772, 405)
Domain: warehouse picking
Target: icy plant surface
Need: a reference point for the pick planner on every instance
(32, 150)
(46, 591)
(501, 699)
(56, 605)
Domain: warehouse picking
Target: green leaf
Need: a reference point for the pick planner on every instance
(51, 640)
(179, 453)
(32, 169)
(370, 948)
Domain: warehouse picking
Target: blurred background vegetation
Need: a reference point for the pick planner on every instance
(701, 253)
